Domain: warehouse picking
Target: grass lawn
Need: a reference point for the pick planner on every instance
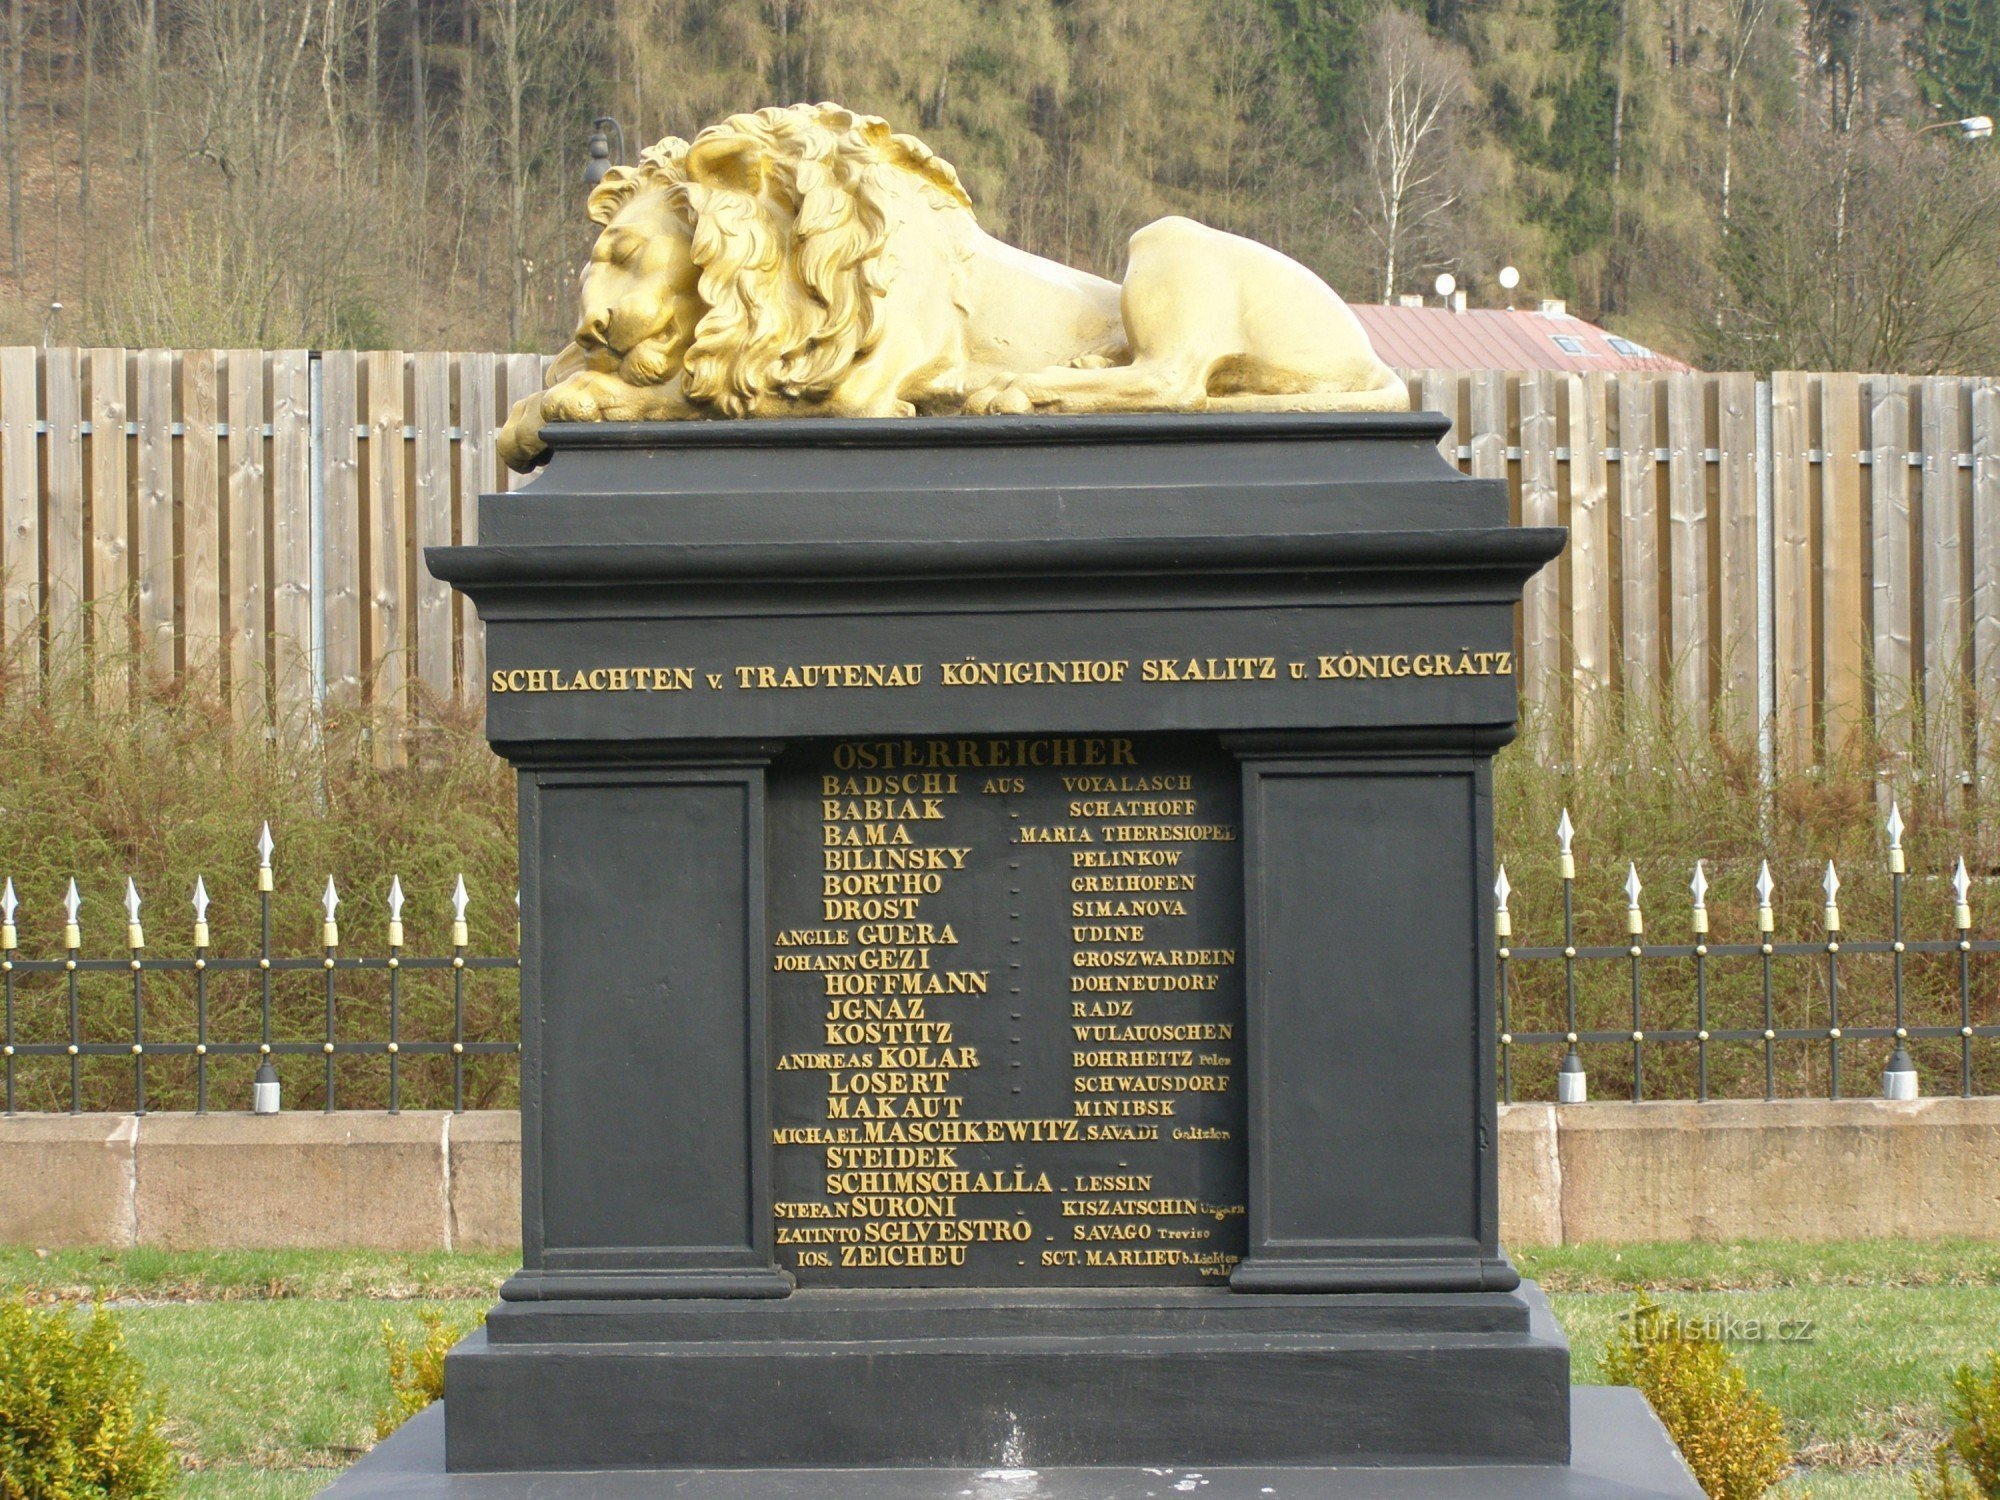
(272, 1362)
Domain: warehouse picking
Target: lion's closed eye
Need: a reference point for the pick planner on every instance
(619, 247)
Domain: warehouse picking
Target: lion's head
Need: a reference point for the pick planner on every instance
(749, 261)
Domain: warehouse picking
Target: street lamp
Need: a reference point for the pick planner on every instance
(1971, 128)
(600, 160)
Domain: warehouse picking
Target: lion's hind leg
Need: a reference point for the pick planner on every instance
(1157, 386)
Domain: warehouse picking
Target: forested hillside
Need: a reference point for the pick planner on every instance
(1746, 182)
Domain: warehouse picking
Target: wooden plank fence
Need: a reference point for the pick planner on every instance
(252, 521)
(1809, 557)
(1812, 556)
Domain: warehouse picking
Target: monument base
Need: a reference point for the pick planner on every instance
(1620, 1453)
(951, 1379)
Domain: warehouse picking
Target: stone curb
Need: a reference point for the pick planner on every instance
(1807, 1169)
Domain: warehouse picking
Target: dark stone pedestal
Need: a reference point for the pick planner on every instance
(954, 1380)
(1621, 1453)
(1154, 753)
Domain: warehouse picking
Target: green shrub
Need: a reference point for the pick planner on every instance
(1943, 1481)
(1974, 1436)
(1730, 1435)
(76, 1422)
(416, 1370)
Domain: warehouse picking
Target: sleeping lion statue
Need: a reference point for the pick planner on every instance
(809, 262)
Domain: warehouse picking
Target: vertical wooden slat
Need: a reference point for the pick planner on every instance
(246, 529)
(1792, 567)
(1639, 539)
(1736, 560)
(1589, 545)
(1687, 544)
(431, 417)
(344, 588)
(478, 398)
(291, 583)
(523, 378)
(1541, 600)
(1943, 585)
(111, 581)
(1486, 407)
(1488, 435)
(1890, 520)
(388, 655)
(1986, 579)
(158, 594)
(199, 502)
(20, 511)
(1441, 389)
(67, 542)
(1843, 624)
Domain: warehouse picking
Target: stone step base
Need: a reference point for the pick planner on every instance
(1619, 1452)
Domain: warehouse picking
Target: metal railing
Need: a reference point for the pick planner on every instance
(204, 966)
(1948, 973)
(1688, 1010)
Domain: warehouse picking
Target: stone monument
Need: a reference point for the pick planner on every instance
(1007, 997)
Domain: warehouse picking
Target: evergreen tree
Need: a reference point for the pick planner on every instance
(1323, 43)
(1958, 57)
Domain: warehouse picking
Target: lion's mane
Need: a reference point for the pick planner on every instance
(788, 212)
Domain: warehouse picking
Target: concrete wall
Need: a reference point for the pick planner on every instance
(1800, 1169)
(357, 1180)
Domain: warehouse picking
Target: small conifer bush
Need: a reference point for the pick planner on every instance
(76, 1421)
(416, 1369)
(1944, 1480)
(1732, 1438)
(1973, 1439)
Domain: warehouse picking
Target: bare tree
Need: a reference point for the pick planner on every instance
(531, 43)
(420, 134)
(16, 45)
(1417, 89)
(144, 16)
(1744, 18)
(1864, 251)
(336, 30)
(86, 14)
(247, 55)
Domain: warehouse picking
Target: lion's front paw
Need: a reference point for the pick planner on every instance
(581, 398)
(521, 445)
(1002, 396)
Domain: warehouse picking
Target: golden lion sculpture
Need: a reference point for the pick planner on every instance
(808, 261)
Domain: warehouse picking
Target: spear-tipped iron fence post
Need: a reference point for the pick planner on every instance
(330, 937)
(395, 994)
(1572, 1083)
(1830, 920)
(73, 945)
(1503, 932)
(1767, 926)
(9, 941)
(200, 904)
(1961, 890)
(1698, 922)
(135, 940)
(461, 939)
(1899, 1078)
(264, 889)
(1635, 929)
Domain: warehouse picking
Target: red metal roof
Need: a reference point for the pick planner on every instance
(1438, 338)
